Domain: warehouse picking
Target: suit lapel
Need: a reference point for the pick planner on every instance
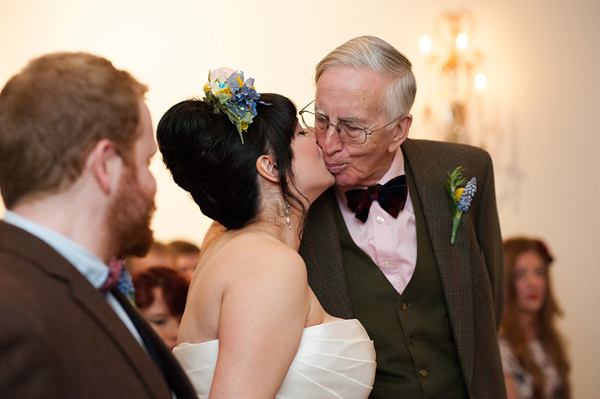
(322, 253)
(430, 171)
(88, 298)
(165, 362)
(129, 347)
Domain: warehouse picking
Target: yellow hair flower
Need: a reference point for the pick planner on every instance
(225, 91)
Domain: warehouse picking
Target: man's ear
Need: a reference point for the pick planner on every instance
(265, 164)
(400, 132)
(105, 165)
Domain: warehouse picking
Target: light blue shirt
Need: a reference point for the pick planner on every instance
(88, 264)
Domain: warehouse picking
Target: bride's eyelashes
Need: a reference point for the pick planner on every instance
(302, 132)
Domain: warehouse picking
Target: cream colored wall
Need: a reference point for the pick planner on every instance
(541, 106)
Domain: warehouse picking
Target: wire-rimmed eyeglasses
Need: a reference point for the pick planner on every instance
(348, 133)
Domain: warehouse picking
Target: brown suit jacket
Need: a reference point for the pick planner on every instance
(59, 338)
(471, 271)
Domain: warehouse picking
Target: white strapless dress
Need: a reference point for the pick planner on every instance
(335, 360)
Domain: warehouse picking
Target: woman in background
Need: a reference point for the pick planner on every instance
(533, 355)
(160, 295)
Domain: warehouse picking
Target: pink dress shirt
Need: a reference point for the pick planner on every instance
(390, 242)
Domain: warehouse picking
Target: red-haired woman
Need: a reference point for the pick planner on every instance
(533, 354)
(160, 295)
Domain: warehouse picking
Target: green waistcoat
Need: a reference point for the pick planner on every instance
(416, 356)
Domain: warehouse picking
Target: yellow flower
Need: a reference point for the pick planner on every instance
(240, 81)
(224, 90)
(458, 194)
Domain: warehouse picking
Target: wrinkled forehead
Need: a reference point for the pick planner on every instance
(344, 92)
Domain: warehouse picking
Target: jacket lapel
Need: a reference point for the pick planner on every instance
(430, 171)
(128, 346)
(160, 354)
(88, 298)
(322, 253)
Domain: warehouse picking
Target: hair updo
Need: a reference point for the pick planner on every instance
(206, 157)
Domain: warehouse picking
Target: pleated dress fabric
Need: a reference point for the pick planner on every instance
(334, 360)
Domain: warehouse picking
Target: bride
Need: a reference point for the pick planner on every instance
(252, 327)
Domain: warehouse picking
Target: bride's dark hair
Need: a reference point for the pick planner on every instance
(206, 157)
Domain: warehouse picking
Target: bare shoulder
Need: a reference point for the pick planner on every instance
(258, 258)
(264, 287)
(251, 247)
(243, 280)
(251, 264)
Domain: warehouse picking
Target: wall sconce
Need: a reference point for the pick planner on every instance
(452, 63)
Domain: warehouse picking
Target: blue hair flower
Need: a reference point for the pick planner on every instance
(227, 92)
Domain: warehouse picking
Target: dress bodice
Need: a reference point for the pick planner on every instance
(334, 360)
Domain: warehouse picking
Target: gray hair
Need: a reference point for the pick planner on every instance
(376, 54)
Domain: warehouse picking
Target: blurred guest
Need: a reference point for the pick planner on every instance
(187, 256)
(160, 295)
(533, 355)
(159, 255)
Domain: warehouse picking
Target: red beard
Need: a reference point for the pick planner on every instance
(129, 216)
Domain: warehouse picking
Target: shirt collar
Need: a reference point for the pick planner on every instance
(88, 264)
(396, 169)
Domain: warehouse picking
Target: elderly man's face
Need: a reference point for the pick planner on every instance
(356, 96)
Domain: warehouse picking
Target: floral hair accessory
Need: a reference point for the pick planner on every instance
(227, 92)
(461, 196)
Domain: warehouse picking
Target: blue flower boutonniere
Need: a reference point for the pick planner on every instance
(460, 195)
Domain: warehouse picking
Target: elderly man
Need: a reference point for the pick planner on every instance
(384, 255)
(75, 143)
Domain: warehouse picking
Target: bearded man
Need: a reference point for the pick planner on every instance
(75, 145)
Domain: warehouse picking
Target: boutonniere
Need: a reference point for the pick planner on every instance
(461, 193)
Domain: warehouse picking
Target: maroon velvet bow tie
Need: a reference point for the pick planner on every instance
(114, 272)
(391, 197)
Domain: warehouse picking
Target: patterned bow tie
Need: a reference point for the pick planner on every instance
(118, 276)
(391, 197)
